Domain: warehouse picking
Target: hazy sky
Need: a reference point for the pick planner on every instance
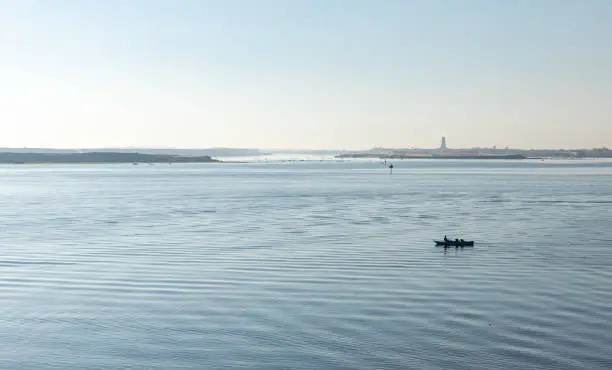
(343, 74)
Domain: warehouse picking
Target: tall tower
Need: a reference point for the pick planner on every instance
(443, 145)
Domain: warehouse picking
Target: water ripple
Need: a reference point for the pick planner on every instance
(306, 266)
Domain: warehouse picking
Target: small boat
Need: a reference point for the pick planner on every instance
(452, 243)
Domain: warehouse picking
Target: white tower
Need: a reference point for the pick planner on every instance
(443, 145)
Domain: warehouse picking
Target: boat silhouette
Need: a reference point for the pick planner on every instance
(452, 243)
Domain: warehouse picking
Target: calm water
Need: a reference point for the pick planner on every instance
(306, 266)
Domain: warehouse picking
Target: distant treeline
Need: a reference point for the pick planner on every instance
(575, 153)
(481, 153)
(212, 152)
(429, 156)
(559, 153)
(100, 157)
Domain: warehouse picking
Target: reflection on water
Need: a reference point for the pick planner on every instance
(306, 265)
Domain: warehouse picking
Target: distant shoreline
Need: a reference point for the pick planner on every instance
(404, 156)
(99, 158)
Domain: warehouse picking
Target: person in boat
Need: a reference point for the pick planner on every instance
(461, 241)
(446, 239)
(456, 241)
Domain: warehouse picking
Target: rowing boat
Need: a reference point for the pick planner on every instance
(452, 243)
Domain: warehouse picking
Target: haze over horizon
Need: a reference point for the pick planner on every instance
(333, 74)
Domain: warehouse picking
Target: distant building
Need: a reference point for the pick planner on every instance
(443, 145)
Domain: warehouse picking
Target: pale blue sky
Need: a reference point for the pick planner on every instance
(305, 74)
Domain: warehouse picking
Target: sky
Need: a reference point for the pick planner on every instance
(320, 74)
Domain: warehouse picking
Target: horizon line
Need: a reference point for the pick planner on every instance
(286, 149)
